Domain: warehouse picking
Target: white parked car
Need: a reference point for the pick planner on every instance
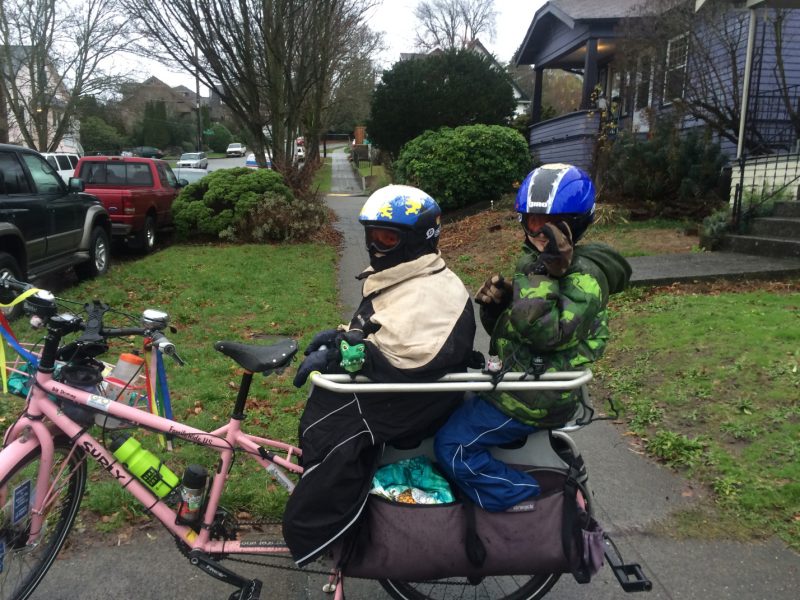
(236, 149)
(193, 160)
(251, 163)
(62, 162)
(189, 174)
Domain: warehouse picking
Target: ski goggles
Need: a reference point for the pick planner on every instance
(383, 239)
(532, 223)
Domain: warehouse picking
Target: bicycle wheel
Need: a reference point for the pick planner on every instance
(23, 564)
(521, 587)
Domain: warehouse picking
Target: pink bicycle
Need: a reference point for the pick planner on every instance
(43, 464)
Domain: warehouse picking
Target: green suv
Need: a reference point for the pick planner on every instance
(47, 225)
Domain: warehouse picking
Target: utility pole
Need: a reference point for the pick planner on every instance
(197, 100)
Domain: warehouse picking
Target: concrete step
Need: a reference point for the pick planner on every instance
(762, 245)
(789, 209)
(776, 227)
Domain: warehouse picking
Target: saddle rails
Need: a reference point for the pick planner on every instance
(546, 449)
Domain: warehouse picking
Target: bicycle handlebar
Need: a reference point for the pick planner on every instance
(43, 306)
(9, 282)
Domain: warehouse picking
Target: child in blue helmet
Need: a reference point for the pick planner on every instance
(551, 312)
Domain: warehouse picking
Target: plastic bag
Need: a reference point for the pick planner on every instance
(412, 481)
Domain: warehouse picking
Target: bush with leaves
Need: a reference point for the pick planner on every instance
(277, 219)
(245, 205)
(672, 174)
(465, 165)
(220, 138)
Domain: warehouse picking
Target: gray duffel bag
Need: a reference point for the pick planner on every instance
(546, 534)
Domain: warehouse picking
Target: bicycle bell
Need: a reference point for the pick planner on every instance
(42, 304)
(155, 319)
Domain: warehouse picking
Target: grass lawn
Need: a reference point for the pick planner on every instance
(709, 377)
(376, 176)
(322, 178)
(241, 293)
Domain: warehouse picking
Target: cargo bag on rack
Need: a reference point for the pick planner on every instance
(549, 533)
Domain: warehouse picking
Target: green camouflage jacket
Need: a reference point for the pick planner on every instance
(562, 320)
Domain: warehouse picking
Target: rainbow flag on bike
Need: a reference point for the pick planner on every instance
(11, 339)
(158, 397)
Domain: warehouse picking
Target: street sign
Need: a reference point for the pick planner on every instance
(208, 132)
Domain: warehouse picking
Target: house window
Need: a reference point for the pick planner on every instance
(675, 71)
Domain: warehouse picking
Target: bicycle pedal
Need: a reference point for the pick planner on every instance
(250, 591)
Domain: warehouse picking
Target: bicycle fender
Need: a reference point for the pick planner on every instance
(15, 451)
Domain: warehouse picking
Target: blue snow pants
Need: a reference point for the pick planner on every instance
(461, 447)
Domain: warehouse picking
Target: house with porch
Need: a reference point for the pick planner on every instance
(735, 62)
(585, 37)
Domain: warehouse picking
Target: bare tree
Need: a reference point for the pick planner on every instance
(453, 24)
(274, 63)
(52, 53)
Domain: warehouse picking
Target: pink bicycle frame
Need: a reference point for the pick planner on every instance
(30, 431)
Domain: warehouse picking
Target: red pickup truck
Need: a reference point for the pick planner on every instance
(136, 192)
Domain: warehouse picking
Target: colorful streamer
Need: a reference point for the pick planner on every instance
(10, 339)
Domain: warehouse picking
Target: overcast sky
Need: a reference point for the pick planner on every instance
(395, 18)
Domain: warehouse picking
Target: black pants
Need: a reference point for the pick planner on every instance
(342, 437)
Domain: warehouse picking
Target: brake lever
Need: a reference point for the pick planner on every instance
(160, 341)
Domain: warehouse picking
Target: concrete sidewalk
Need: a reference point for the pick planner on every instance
(344, 181)
(665, 269)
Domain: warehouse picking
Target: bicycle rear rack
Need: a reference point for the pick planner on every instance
(630, 576)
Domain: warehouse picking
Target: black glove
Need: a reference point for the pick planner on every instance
(495, 290)
(556, 257)
(323, 361)
(326, 337)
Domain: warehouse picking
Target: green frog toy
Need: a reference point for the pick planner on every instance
(352, 356)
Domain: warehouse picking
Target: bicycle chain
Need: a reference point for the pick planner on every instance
(233, 558)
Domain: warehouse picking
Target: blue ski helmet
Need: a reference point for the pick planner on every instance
(558, 189)
(401, 223)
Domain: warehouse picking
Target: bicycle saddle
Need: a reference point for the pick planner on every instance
(259, 358)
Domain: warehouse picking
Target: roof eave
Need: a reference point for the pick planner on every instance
(547, 9)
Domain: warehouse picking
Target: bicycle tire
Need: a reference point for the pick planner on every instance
(522, 587)
(23, 565)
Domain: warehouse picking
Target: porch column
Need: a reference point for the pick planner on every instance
(589, 73)
(536, 103)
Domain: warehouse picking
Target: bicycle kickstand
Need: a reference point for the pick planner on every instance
(335, 585)
(249, 589)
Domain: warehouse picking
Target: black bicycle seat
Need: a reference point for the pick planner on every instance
(259, 358)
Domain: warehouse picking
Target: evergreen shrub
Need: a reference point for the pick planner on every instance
(465, 165)
(672, 173)
(218, 142)
(245, 205)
